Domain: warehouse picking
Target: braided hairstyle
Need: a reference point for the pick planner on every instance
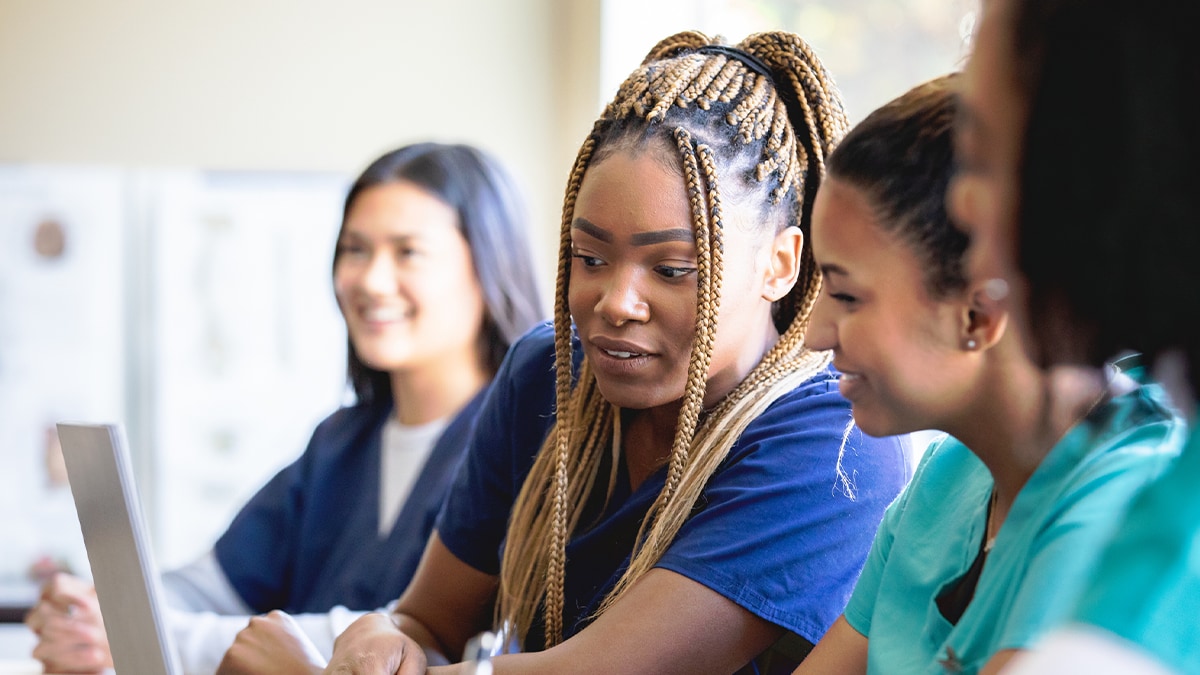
(766, 116)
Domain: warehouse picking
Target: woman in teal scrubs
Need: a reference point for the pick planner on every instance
(988, 547)
(1084, 114)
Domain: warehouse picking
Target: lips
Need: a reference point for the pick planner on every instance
(623, 354)
(619, 348)
(381, 316)
(619, 356)
(849, 383)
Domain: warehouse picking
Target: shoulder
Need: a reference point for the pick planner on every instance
(946, 460)
(811, 427)
(353, 418)
(816, 401)
(533, 351)
(528, 371)
(946, 470)
(815, 409)
(526, 375)
(346, 430)
(1136, 433)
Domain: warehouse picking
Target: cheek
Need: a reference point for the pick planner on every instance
(680, 314)
(342, 287)
(578, 293)
(456, 294)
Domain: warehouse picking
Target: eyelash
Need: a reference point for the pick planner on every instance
(673, 273)
(360, 250)
(350, 249)
(587, 260)
(844, 298)
(668, 272)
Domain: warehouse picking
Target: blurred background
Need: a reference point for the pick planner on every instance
(171, 179)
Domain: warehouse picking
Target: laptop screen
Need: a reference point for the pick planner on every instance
(127, 582)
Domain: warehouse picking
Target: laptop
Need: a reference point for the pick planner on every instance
(127, 582)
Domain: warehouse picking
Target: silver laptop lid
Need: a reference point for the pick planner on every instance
(114, 533)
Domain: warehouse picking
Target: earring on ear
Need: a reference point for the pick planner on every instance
(971, 344)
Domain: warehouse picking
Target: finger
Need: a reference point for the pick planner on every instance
(413, 662)
(64, 590)
(35, 619)
(60, 633)
(74, 658)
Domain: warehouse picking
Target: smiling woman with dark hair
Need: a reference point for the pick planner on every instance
(433, 273)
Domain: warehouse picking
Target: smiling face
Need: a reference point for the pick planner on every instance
(633, 285)
(405, 281)
(899, 349)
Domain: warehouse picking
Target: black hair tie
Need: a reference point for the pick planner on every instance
(752, 62)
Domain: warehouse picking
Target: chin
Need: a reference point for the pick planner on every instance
(630, 396)
(877, 425)
(385, 362)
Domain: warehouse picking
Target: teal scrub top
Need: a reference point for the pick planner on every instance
(1147, 585)
(1042, 555)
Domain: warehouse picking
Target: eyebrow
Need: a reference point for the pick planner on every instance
(402, 237)
(639, 239)
(588, 227)
(831, 268)
(662, 236)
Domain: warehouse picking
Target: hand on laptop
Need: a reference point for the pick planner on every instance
(70, 630)
(272, 643)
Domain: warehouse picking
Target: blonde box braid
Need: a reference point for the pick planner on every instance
(766, 110)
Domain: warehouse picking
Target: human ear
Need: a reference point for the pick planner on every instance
(984, 319)
(783, 263)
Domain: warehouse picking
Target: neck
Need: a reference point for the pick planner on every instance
(431, 393)
(646, 440)
(647, 435)
(1024, 414)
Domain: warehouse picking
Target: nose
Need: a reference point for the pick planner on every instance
(822, 331)
(380, 274)
(621, 299)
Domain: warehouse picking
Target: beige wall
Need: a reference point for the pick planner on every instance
(308, 85)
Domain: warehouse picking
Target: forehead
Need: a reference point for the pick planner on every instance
(849, 243)
(399, 204)
(645, 188)
(625, 198)
(844, 222)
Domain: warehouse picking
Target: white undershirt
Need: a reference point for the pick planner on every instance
(404, 451)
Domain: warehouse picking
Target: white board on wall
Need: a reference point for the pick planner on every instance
(61, 346)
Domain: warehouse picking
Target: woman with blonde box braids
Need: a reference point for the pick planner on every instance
(666, 480)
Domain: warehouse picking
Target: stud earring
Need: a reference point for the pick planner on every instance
(971, 344)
